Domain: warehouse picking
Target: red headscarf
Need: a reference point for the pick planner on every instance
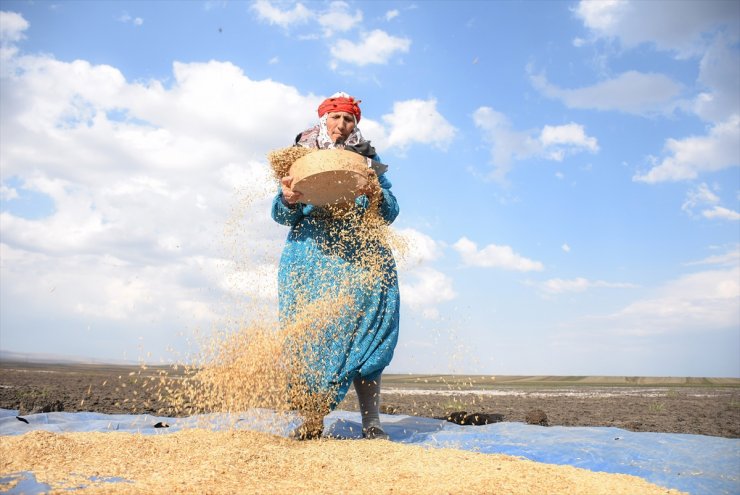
(341, 104)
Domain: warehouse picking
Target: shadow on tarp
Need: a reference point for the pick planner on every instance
(696, 464)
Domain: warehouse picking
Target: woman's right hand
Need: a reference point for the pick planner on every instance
(291, 197)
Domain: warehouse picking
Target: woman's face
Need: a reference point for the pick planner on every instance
(339, 125)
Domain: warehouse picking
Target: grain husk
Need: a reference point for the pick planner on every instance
(228, 462)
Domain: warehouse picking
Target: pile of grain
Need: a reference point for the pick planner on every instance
(227, 462)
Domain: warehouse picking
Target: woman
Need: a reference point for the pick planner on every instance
(338, 278)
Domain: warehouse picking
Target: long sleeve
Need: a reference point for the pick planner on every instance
(389, 205)
(283, 214)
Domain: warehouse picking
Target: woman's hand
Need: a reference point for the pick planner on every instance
(289, 196)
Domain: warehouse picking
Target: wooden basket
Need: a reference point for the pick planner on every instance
(328, 177)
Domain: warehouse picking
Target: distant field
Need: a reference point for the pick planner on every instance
(470, 382)
(456, 382)
(694, 405)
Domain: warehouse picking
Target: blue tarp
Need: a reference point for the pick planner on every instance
(696, 464)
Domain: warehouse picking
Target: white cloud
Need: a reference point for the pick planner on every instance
(729, 258)
(507, 143)
(551, 142)
(258, 281)
(721, 213)
(494, 256)
(427, 289)
(413, 122)
(691, 156)
(338, 18)
(418, 249)
(719, 76)
(214, 4)
(126, 18)
(700, 197)
(143, 179)
(630, 92)
(558, 139)
(106, 288)
(601, 16)
(266, 11)
(8, 193)
(375, 47)
(423, 288)
(391, 14)
(698, 302)
(579, 284)
(679, 28)
(707, 29)
(565, 248)
(12, 26)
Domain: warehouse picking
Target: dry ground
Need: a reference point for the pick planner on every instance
(673, 405)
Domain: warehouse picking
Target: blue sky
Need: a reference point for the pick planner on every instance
(568, 174)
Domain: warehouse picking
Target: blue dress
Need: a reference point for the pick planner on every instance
(324, 261)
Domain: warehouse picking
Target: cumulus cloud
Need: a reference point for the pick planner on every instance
(424, 289)
(155, 189)
(8, 193)
(560, 138)
(391, 14)
(338, 18)
(126, 18)
(630, 92)
(420, 249)
(579, 284)
(268, 12)
(258, 281)
(12, 26)
(372, 48)
(375, 47)
(508, 144)
(698, 196)
(695, 302)
(494, 256)
(719, 76)
(706, 30)
(703, 198)
(680, 28)
(731, 257)
(722, 213)
(687, 158)
(104, 288)
(412, 122)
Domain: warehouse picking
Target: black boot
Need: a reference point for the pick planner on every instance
(375, 433)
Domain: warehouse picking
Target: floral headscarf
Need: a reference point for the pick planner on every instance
(318, 135)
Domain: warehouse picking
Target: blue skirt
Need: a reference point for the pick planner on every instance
(343, 289)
